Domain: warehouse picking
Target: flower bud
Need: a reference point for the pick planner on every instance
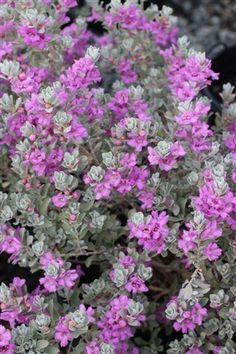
(96, 173)
(106, 349)
(163, 148)
(93, 53)
(137, 218)
(171, 311)
(144, 272)
(9, 68)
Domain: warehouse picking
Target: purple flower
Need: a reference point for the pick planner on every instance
(62, 333)
(211, 231)
(188, 241)
(147, 199)
(92, 348)
(60, 200)
(165, 161)
(128, 17)
(187, 319)
(5, 49)
(11, 242)
(136, 285)
(81, 74)
(192, 116)
(33, 38)
(78, 132)
(187, 76)
(69, 328)
(119, 104)
(114, 325)
(128, 75)
(127, 262)
(137, 141)
(152, 233)
(56, 276)
(5, 341)
(5, 336)
(214, 206)
(212, 252)
(68, 278)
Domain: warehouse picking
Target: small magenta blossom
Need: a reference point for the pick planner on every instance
(128, 75)
(152, 233)
(230, 138)
(6, 48)
(55, 275)
(33, 37)
(60, 200)
(214, 206)
(5, 336)
(114, 188)
(115, 325)
(92, 348)
(73, 325)
(192, 116)
(129, 17)
(188, 240)
(10, 241)
(119, 104)
(186, 320)
(187, 77)
(212, 251)
(81, 74)
(136, 285)
(165, 157)
(5, 341)
(62, 333)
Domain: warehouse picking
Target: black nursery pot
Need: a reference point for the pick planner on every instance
(223, 62)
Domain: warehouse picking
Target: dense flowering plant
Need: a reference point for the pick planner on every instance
(116, 194)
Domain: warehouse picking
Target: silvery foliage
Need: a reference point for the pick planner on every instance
(91, 240)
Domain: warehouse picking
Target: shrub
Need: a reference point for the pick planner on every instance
(115, 192)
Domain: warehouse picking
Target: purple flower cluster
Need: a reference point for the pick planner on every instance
(56, 276)
(166, 160)
(187, 76)
(125, 273)
(188, 318)
(129, 17)
(151, 232)
(116, 325)
(5, 341)
(115, 191)
(73, 324)
(10, 241)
